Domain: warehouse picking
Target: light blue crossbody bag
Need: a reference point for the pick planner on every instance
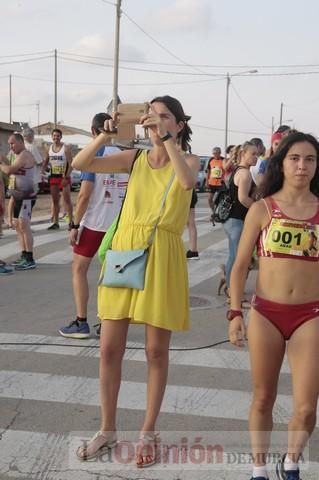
(126, 268)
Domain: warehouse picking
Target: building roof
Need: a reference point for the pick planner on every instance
(46, 129)
(10, 127)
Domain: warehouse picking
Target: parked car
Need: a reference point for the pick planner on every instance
(76, 177)
(201, 177)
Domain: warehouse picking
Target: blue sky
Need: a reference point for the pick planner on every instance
(228, 35)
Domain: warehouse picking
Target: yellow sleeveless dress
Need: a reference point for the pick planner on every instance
(164, 302)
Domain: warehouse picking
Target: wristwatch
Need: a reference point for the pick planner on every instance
(74, 226)
(166, 137)
(231, 314)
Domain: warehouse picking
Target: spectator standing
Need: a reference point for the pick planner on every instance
(59, 159)
(99, 201)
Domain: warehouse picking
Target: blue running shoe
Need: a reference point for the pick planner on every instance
(76, 329)
(4, 270)
(259, 478)
(283, 474)
(25, 265)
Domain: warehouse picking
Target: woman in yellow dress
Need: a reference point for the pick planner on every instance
(163, 304)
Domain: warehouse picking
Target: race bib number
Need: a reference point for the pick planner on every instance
(11, 183)
(57, 169)
(293, 237)
(216, 172)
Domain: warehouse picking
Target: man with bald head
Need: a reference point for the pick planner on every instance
(21, 188)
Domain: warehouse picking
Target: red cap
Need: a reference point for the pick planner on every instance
(276, 136)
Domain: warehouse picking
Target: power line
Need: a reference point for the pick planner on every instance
(153, 39)
(26, 60)
(145, 70)
(72, 82)
(283, 74)
(205, 65)
(205, 127)
(219, 75)
(25, 54)
(110, 3)
(247, 107)
(158, 43)
(304, 65)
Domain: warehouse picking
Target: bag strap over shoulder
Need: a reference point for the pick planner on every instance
(137, 154)
(150, 241)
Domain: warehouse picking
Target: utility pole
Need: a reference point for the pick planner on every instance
(272, 125)
(281, 112)
(116, 56)
(226, 115)
(10, 98)
(55, 88)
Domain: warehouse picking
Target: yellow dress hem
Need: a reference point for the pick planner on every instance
(142, 322)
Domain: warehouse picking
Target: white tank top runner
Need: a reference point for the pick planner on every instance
(57, 161)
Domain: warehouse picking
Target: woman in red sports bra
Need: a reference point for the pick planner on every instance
(284, 225)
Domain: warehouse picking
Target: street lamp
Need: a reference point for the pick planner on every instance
(228, 80)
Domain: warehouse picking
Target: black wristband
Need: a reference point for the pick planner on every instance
(74, 226)
(166, 137)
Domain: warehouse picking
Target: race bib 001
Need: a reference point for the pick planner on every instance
(293, 237)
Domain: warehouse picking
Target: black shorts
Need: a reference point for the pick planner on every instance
(213, 188)
(194, 199)
(23, 208)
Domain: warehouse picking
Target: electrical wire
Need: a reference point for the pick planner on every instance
(194, 65)
(121, 84)
(205, 127)
(26, 54)
(73, 345)
(26, 60)
(110, 3)
(247, 107)
(159, 44)
(219, 75)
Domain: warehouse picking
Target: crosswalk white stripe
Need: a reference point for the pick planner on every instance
(208, 264)
(37, 227)
(13, 248)
(65, 255)
(202, 229)
(58, 257)
(54, 454)
(202, 402)
(211, 358)
(62, 257)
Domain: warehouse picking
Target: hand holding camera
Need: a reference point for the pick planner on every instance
(153, 121)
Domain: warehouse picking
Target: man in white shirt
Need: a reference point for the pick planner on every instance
(260, 152)
(99, 201)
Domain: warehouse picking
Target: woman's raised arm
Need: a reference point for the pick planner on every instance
(113, 163)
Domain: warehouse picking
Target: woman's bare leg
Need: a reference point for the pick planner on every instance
(112, 348)
(267, 349)
(303, 356)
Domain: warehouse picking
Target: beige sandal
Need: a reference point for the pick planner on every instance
(98, 445)
(245, 304)
(146, 450)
